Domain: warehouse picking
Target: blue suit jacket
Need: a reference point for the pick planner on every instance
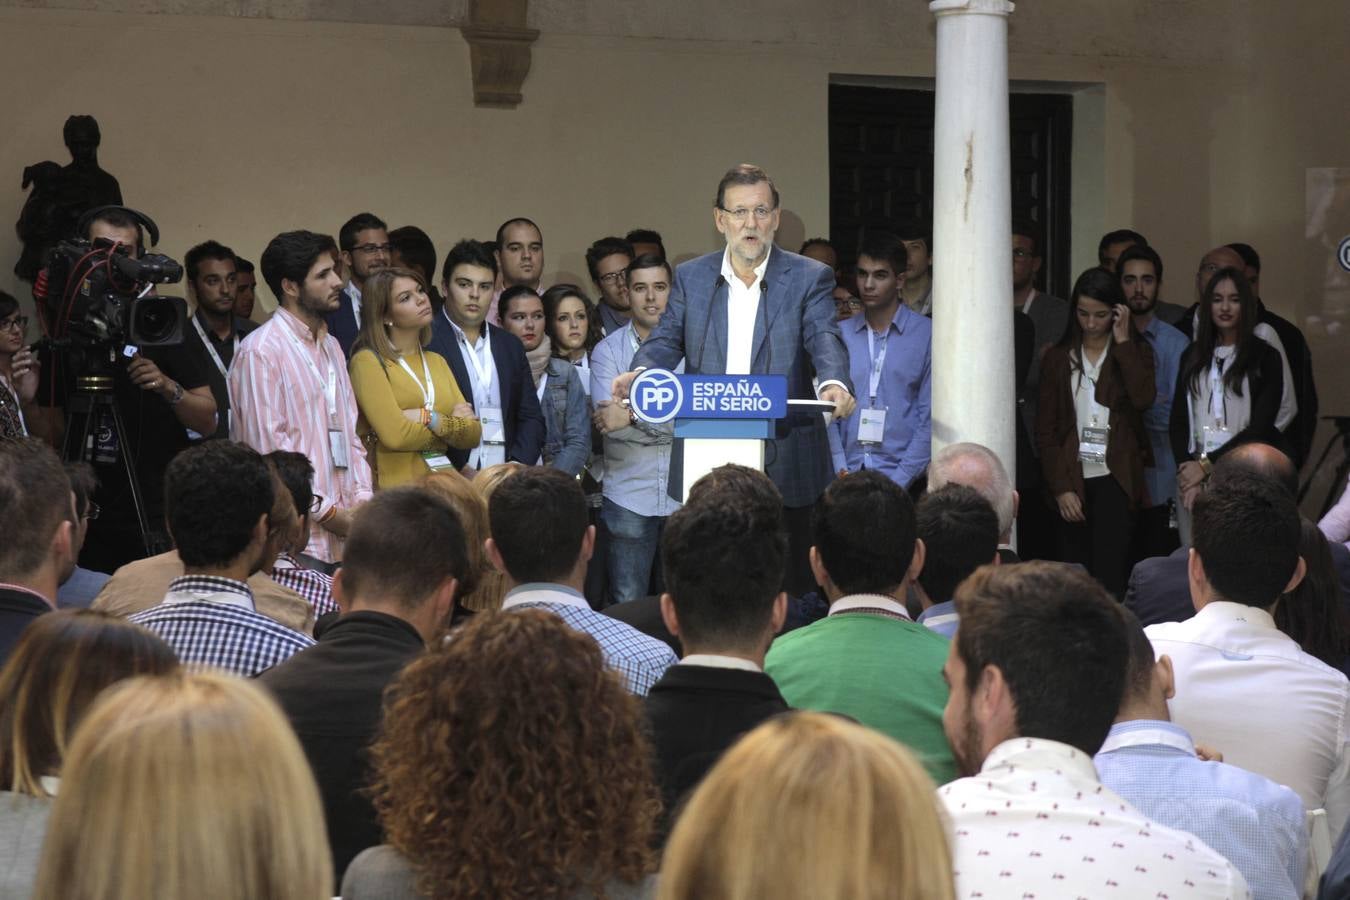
(522, 419)
(343, 323)
(795, 335)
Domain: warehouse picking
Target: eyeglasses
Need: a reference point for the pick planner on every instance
(369, 249)
(92, 511)
(316, 504)
(741, 214)
(613, 278)
(1019, 253)
(17, 323)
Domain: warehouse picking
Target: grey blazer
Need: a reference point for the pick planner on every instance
(795, 335)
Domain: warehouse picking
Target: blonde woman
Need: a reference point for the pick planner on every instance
(851, 813)
(483, 587)
(412, 411)
(492, 586)
(186, 786)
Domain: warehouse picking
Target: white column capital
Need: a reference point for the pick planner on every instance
(971, 7)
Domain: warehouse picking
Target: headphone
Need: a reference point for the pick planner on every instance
(141, 219)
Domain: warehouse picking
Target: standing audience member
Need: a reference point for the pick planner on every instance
(607, 260)
(218, 500)
(1115, 243)
(413, 249)
(396, 587)
(1095, 384)
(562, 399)
(1037, 671)
(79, 590)
(534, 782)
(917, 290)
(489, 364)
(411, 410)
(890, 350)
(978, 467)
(724, 563)
(572, 324)
(365, 246)
(40, 542)
(851, 814)
(212, 276)
(220, 795)
(59, 667)
(1255, 823)
(867, 659)
(645, 241)
(245, 288)
(519, 251)
(542, 540)
(822, 251)
(960, 533)
(289, 570)
(1314, 613)
(18, 371)
(1237, 675)
(290, 387)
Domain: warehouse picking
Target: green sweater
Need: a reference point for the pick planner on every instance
(884, 672)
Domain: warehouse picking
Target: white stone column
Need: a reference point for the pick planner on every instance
(974, 395)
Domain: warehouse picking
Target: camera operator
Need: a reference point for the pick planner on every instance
(161, 393)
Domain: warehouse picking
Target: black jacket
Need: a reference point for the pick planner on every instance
(18, 609)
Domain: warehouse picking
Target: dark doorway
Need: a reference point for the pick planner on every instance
(881, 167)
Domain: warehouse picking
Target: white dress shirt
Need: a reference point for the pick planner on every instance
(1036, 822)
(742, 308)
(1248, 690)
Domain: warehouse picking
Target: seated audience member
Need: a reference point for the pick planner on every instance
(960, 533)
(542, 539)
(534, 782)
(397, 583)
(1255, 823)
(882, 834)
(245, 288)
(562, 399)
(492, 586)
(289, 570)
(489, 364)
(645, 241)
(1314, 613)
(218, 499)
(470, 507)
(414, 249)
(79, 590)
(607, 260)
(723, 560)
(1237, 675)
(185, 786)
(1037, 671)
(867, 659)
(59, 666)
(412, 413)
(978, 467)
(40, 543)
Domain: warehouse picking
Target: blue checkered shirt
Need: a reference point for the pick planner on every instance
(640, 659)
(314, 586)
(211, 623)
(1254, 822)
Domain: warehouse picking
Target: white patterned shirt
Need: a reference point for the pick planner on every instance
(1036, 824)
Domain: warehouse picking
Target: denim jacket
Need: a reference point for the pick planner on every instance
(567, 444)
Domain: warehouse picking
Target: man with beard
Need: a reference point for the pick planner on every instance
(290, 387)
(212, 275)
(364, 239)
(1141, 274)
(1037, 672)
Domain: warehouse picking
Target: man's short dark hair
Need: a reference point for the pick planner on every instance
(606, 246)
(416, 248)
(745, 175)
(1246, 532)
(34, 501)
(1139, 672)
(214, 495)
(742, 486)
(1032, 232)
(468, 252)
(538, 519)
(959, 530)
(1140, 251)
(1119, 236)
(884, 247)
(501, 229)
(117, 217)
(916, 230)
(646, 236)
(863, 528)
(815, 242)
(402, 545)
(355, 225)
(207, 250)
(297, 473)
(1250, 258)
(1058, 638)
(647, 261)
(243, 265)
(83, 484)
(290, 255)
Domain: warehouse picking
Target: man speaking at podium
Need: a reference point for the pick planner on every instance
(754, 308)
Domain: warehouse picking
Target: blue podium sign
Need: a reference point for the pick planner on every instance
(659, 395)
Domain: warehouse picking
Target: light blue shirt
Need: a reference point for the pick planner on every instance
(903, 389)
(942, 618)
(1254, 822)
(637, 457)
(1168, 344)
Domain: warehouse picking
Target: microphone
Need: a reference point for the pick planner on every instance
(707, 326)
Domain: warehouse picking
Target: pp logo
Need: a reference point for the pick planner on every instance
(657, 396)
(1343, 254)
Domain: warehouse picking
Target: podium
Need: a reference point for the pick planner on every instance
(722, 419)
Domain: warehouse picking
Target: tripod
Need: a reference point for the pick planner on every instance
(1342, 438)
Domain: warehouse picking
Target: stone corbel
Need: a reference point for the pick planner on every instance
(499, 50)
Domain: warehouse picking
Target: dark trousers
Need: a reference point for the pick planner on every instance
(1152, 536)
(1102, 543)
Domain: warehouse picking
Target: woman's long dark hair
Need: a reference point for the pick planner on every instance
(556, 295)
(1207, 335)
(1095, 284)
(1313, 614)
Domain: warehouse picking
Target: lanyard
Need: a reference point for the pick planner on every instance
(429, 391)
(210, 348)
(878, 360)
(330, 387)
(483, 368)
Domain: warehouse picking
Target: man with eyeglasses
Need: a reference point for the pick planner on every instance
(364, 243)
(608, 260)
(755, 308)
(18, 371)
(79, 590)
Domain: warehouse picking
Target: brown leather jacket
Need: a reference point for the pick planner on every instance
(1126, 388)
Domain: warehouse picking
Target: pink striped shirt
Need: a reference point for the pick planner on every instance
(279, 403)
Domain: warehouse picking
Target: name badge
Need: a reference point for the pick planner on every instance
(491, 455)
(337, 445)
(871, 425)
(1214, 438)
(436, 460)
(494, 431)
(1092, 445)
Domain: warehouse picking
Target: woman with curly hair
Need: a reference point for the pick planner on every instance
(534, 783)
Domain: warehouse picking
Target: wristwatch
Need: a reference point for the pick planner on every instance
(177, 394)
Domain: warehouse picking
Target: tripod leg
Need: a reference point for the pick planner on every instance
(129, 466)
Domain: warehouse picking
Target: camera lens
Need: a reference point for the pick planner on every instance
(155, 319)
